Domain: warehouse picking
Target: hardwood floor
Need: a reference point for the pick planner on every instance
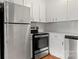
(50, 57)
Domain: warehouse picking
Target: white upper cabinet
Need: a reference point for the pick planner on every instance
(72, 10)
(56, 10)
(61, 10)
(21, 2)
(28, 3)
(42, 10)
(38, 10)
(35, 10)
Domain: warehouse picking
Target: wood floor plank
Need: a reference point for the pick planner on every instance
(50, 57)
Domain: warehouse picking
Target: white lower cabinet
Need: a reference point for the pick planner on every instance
(56, 45)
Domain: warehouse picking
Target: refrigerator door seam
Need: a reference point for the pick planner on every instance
(15, 23)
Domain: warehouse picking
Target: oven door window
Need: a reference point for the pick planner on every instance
(41, 43)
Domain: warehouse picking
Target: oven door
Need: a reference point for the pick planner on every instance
(40, 43)
(43, 42)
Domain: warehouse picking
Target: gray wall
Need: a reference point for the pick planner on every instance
(64, 27)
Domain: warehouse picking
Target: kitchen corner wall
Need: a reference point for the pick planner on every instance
(63, 27)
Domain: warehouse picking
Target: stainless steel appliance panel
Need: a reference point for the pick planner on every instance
(41, 55)
(16, 41)
(16, 13)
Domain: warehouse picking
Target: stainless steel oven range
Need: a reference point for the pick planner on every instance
(40, 44)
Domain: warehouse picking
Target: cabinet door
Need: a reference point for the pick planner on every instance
(42, 10)
(21, 2)
(35, 10)
(16, 42)
(28, 3)
(56, 45)
(72, 9)
(56, 10)
(17, 13)
(66, 48)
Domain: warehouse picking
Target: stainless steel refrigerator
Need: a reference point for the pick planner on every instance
(17, 29)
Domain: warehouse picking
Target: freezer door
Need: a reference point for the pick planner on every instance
(17, 44)
(16, 13)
